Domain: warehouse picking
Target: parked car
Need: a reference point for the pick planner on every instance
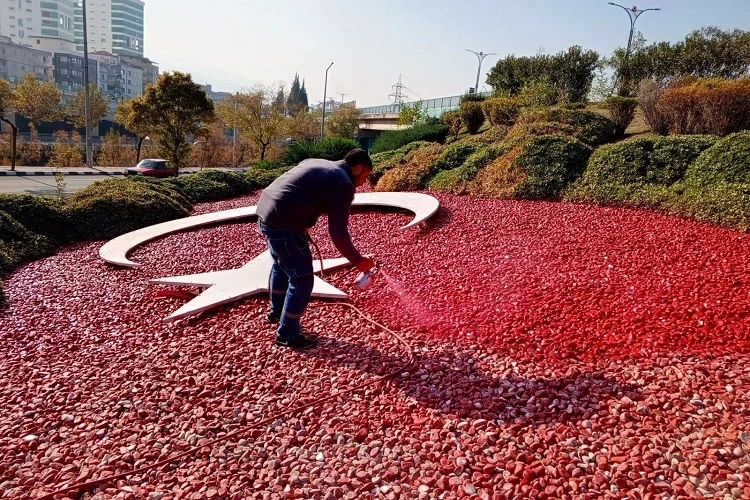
(152, 168)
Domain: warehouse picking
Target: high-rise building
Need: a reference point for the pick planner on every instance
(20, 19)
(114, 26)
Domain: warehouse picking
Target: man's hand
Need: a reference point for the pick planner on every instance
(365, 264)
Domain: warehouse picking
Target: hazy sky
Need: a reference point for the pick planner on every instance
(233, 44)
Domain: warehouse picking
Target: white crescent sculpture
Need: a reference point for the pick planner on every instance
(223, 287)
(115, 251)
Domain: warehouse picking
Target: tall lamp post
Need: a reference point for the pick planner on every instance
(87, 97)
(633, 13)
(480, 55)
(325, 89)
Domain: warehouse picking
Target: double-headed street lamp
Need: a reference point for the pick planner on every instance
(480, 55)
(633, 13)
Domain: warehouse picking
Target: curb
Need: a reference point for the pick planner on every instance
(34, 173)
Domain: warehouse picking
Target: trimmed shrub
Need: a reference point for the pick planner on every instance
(18, 244)
(537, 94)
(394, 139)
(648, 99)
(455, 180)
(525, 129)
(167, 187)
(330, 148)
(591, 128)
(728, 160)
(267, 165)
(111, 207)
(39, 214)
(412, 171)
(391, 159)
(707, 106)
(536, 168)
(224, 184)
(472, 116)
(452, 120)
(453, 156)
(638, 172)
(260, 179)
(501, 110)
(722, 203)
(622, 110)
(472, 98)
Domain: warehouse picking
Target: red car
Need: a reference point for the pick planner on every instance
(152, 168)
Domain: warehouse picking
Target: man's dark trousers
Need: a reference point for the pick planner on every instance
(292, 277)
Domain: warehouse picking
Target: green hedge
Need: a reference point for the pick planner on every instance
(332, 148)
(39, 214)
(590, 128)
(112, 207)
(382, 162)
(18, 244)
(455, 179)
(551, 163)
(394, 139)
(728, 160)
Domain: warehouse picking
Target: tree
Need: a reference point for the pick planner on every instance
(304, 126)
(344, 122)
(133, 115)
(257, 116)
(99, 107)
(6, 103)
(570, 72)
(176, 107)
(37, 101)
(297, 99)
(411, 114)
(304, 104)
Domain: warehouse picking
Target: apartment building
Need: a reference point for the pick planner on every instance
(21, 19)
(114, 26)
(16, 60)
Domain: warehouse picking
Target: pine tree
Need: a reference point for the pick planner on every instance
(293, 102)
(303, 97)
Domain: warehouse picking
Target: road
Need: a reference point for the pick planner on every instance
(45, 184)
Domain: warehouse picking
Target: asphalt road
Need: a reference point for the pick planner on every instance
(45, 185)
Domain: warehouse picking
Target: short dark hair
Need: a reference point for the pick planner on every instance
(358, 157)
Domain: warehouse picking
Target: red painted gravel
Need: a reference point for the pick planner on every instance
(562, 352)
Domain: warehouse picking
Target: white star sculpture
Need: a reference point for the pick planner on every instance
(234, 284)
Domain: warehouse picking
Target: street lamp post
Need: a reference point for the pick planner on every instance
(480, 55)
(203, 151)
(325, 89)
(633, 13)
(87, 98)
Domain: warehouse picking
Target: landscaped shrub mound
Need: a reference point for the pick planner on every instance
(413, 171)
(726, 161)
(18, 244)
(382, 162)
(113, 207)
(721, 203)
(490, 136)
(43, 215)
(167, 187)
(535, 169)
(634, 172)
(331, 148)
(455, 180)
(213, 185)
(586, 126)
(394, 139)
(260, 179)
(540, 333)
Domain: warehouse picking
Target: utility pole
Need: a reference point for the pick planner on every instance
(342, 96)
(87, 99)
(633, 13)
(480, 55)
(325, 89)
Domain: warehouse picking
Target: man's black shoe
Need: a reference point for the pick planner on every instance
(272, 318)
(299, 341)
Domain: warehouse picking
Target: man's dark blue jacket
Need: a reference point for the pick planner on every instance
(315, 187)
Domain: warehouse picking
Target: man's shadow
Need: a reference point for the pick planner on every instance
(451, 384)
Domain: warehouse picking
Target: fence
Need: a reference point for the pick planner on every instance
(432, 107)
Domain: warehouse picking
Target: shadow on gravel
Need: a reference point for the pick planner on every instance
(451, 384)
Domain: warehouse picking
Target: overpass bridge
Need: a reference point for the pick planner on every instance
(376, 119)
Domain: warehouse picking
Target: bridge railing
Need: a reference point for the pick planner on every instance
(432, 107)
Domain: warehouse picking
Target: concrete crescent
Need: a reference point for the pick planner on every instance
(116, 251)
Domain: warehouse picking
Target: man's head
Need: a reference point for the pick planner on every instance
(360, 163)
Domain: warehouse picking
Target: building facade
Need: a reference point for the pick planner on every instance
(69, 73)
(149, 70)
(20, 19)
(114, 26)
(17, 60)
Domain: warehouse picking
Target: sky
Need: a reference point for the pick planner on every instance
(236, 44)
